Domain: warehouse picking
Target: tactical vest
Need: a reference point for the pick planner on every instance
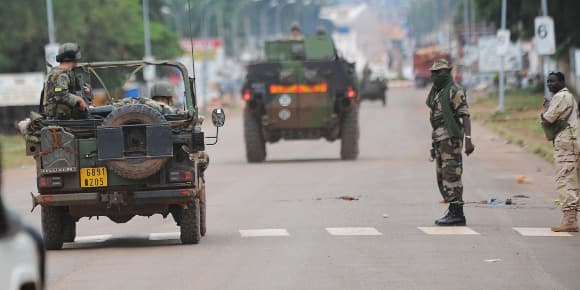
(551, 130)
(53, 106)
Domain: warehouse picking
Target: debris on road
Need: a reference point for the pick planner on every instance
(386, 216)
(492, 260)
(520, 196)
(508, 201)
(348, 198)
(522, 179)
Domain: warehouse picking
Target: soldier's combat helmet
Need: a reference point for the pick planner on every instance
(295, 26)
(69, 52)
(162, 90)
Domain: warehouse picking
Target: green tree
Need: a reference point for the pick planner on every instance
(105, 30)
(521, 14)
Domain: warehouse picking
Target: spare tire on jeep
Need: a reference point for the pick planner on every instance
(135, 114)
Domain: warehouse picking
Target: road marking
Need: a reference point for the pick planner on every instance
(264, 233)
(540, 232)
(353, 232)
(164, 236)
(92, 239)
(448, 231)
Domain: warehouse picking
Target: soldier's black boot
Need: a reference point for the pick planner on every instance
(454, 216)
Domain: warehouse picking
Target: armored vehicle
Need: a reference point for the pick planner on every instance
(373, 87)
(131, 157)
(303, 90)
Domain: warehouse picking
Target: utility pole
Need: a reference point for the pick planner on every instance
(546, 60)
(501, 106)
(466, 31)
(147, 33)
(50, 17)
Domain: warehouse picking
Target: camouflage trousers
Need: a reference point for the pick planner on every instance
(449, 169)
(566, 163)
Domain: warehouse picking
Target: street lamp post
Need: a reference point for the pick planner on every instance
(546, 58)
(50, 17)
(501, 106)
(147, 32)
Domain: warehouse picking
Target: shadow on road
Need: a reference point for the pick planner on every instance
(121, 243)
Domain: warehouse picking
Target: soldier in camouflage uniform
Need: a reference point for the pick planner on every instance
(59, 100)
(450, 121)
(295, 33)
(162, 93)
(560, 120)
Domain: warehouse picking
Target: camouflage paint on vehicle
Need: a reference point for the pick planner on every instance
(301, 91)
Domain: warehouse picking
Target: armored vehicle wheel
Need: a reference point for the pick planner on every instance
(52, 227)
(255, 144)
(191, 224)
(349, 135)
(69, 229)
(135, 114)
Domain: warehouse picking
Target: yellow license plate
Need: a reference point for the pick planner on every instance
(93, 177)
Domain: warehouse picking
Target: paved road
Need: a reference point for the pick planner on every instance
(280, 225)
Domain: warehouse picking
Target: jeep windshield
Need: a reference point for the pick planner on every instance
(113, 82)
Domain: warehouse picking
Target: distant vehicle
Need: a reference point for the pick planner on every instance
(130, 158)
(373, 87)
(423, 59)
(303, 90)
(22, 253)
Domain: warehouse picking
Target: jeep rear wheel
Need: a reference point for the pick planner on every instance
(349, 135)
(69, 228)
(132, 114)
(52, 227)
(255, 144)
(190, 224)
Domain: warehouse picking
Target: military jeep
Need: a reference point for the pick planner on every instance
(303, 90)
(124, 159)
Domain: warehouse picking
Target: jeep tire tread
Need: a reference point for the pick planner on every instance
(69, 228)
(52, 227)
(349, 135)
(130, 114)
(255, 144)
(190, 224)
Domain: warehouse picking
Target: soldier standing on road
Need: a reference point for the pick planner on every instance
(451, 124)
(560, 121)
(59, 100)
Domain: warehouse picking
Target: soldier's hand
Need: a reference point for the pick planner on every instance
(469, 147)
(82, 104)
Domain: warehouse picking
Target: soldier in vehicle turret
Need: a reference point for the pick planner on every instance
(295, 32)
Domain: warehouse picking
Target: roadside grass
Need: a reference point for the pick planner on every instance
(14, 152)
(519, 124)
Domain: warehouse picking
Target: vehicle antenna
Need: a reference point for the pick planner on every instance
(191, 42)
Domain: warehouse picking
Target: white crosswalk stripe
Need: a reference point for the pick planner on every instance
(163, 236)
(354, 231)
(448, 230)
(92, 239)
(264, 233)
(539, 232)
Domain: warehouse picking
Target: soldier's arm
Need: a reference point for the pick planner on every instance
(62, 93)
(462, 108)
(557, 107)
